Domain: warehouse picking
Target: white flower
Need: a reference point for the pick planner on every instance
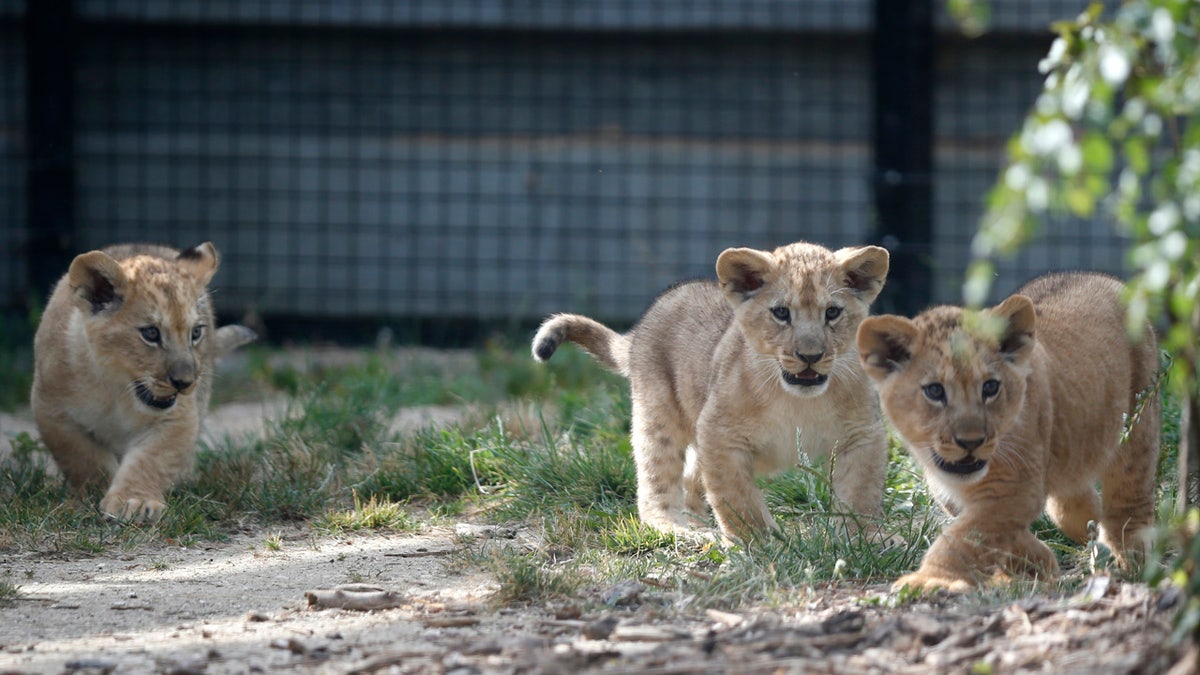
(1163, 219)
(1069, 160)
(1135, 109)
(1057, 50)
(1174, 245)
(1114, 65)
(1038, 195)
(1152, 125)
(1075, 93)
(1158, 274)
(1162, 26)
(1191, 207)
(1050, 137)
(1017, 177)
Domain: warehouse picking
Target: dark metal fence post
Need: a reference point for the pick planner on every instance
(50, 47)
(903, 147)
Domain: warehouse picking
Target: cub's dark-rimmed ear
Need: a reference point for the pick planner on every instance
(865, 269)
(1017, 334)
(201, 260)
(885, 344)
(97, 281)
(744, 271)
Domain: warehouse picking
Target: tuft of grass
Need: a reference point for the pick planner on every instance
(589, 470)
(628, 535)
(436, 464)
(9, 592)
(372, 515)
(522, 578)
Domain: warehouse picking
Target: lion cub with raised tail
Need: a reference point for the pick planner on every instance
(737, 371)
(1018, 409)
(123, 369)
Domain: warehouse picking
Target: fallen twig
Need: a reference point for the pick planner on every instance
(355, 597)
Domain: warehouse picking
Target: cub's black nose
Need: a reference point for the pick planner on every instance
(181, 384)
(810, 358)
(968, 444)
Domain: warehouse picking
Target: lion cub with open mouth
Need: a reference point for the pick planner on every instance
(1007, 421)
(738, 370)
(123, 368)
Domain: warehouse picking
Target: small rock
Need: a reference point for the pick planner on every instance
(623, 593)
(104, 667)
(567, 612)
(600, 629)
(647, 634)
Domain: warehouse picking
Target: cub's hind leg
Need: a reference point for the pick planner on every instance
(693, 489)
(1072, 511)
(659, 449)
(1129, 487)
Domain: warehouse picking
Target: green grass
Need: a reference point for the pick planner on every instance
(372, 515)
(546, 445)
(9, 592)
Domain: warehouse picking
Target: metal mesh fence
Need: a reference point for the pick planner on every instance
(12, 157)
(498, 160)
(985, 87)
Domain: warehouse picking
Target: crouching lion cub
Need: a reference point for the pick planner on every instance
(123, 361)
(1007, 421)
(736, 371)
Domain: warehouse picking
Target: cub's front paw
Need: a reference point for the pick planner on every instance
(922, 582)
(135, 509)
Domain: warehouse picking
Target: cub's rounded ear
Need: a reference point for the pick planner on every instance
(885, 344)
(743, 271)
(97, 281)
(202, 260)
(865, 269)
(1019, 317)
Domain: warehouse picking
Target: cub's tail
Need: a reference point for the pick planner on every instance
(229, 338)
(607, 346)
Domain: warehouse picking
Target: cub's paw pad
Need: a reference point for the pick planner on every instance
(927, 583)
(132, 509)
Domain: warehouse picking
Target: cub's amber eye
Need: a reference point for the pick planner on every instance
(991, 388)
(150, 334)
(781, 313)
(935, 392)
(197, 333)
(833, 313)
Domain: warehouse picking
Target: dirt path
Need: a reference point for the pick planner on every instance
(238, 607)
(231, 607)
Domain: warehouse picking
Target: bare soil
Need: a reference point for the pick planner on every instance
(243, 606)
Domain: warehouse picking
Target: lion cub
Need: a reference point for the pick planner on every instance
(123, 361)
(1007, 421)
(736, 371)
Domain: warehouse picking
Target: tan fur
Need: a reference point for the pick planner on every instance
(1067, 376)
(95, 370)
(707, 363)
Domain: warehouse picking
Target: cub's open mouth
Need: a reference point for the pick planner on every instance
(962, 468)
(808, 378)
(144, 395)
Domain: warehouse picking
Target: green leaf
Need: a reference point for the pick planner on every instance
(1137, 156)
(1080, 201)
(1097, 153)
